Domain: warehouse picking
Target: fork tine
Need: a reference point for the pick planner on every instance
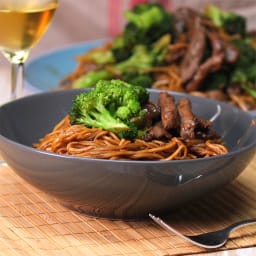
(166, 226)
(169, 228)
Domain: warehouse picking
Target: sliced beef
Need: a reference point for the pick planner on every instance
(191, 126)
(187, 119)
(222, 52)
(178, 120)
(152, 114)
(179, 21)
(157, 132)
(207, 134)
(196, 42)
(212, 64)
(168, 111)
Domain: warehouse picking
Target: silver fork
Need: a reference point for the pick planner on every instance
(209, 240)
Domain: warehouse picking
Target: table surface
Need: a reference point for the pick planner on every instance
(66, 30)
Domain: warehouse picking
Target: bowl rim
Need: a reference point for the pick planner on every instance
(123, 161)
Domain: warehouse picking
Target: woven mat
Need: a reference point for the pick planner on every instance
(32, 223)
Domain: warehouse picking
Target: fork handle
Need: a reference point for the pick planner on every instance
(242, 223)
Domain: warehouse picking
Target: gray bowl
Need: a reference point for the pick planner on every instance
(120, 189)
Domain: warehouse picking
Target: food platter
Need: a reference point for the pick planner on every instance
(45, 72)
(159, 56)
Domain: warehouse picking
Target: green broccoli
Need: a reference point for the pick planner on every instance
(246, 78)
(121, 49)
(91, 78)
(146, 23)
(139, 78)
(244, 70)
(244, 66)
(145, 16)
(231, 22)
(110, 106)
(140, 59)
(143, 58)
(89, 110)
(216, 80)
(247, 55)
(100, 55)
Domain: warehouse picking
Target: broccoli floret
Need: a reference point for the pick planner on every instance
(111, 106)
(146, 23)
(91, 111)
(144, 16)
(142, 58)
(138, 78)
(216, 80)
(139, 60)
(91, 78)
(239, 76)
(246, 78)
(101, 55)
(121, 50)
(244, 71)
(231, 22)
(247, 55)
(124, 98)
(235, 24)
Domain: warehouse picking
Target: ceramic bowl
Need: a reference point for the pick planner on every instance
(120, 189)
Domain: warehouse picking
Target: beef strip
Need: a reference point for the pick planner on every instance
(191, 126)
(168, 111)
(196, 42)
(207, 134)
(212, 64)
(157, 132)
(153, 113)
(188, 121)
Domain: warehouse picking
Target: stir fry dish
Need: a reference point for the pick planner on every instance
(117, 120)
(208, 54)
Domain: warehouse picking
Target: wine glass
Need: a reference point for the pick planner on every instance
(22, 24)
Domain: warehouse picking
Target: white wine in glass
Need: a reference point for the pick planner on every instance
(22, 24)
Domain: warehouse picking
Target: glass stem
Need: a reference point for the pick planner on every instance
(17, 75)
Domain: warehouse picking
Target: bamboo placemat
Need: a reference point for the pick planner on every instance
(32, 223)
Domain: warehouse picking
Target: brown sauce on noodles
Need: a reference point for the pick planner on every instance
(78, 140)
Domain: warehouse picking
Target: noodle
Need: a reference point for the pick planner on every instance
(78, 140)
(169, 80)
